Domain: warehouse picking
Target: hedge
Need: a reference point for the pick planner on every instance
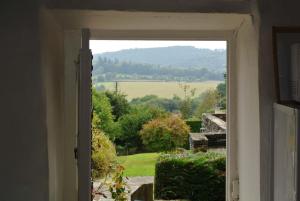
(194, 125)
(197, 177)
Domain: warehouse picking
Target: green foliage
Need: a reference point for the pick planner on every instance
(170, 105)
(194, 124)
(103, 152)
(103, 110)
(208, 104)
(133, 122)
(102, 107)
(186, 103)
(119, 103)
(221, 89)
(197, 177)
(165, 134)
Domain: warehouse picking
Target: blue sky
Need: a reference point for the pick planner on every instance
(100, 46)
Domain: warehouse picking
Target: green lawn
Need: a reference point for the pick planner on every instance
(139, 164)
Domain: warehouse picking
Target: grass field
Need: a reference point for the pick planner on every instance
(139, 164)
(135, 89)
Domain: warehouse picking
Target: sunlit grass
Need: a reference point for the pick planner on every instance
(139, 164)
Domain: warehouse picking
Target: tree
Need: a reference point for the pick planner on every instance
(103, 151)
(186, 103)
(119, 104)
(209, 102)
(103, 110)
(221, 88)
(170, 105)
(165, 134)
(133, 122)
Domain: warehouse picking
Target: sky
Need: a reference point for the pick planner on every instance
(101, 46)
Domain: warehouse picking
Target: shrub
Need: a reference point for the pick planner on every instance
(194, 124)
(164, 134)
(103, 154)
(197, 177)
(103, 111)
(132, 123)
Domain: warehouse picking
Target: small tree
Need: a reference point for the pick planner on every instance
(221, 88)
(186, 103)
(119, 103)
(103, 110)
(133, 122)
(165, 134)
(209, 102)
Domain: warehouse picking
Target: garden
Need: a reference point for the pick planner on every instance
(149, 136)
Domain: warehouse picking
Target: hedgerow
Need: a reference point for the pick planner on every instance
(197, 177)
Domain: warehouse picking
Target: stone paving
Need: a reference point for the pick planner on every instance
(133, 183)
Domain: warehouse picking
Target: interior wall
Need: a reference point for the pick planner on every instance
(60, 49)
(247, 122)
(23, 144)
(204, 6)
(272, 13)
(52, 60)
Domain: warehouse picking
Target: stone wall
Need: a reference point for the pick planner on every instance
(213, 132)
(214, 122)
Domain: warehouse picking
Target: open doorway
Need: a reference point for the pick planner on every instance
(158, 103)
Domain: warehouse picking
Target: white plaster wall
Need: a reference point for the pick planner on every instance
(272, 13)
(26, 105)
(23, 143)
(52, 60)
(248, 129)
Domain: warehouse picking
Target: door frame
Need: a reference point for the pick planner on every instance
(109, 25)
(228, 36)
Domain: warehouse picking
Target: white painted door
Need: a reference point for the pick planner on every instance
(285, 153)
(84, 119)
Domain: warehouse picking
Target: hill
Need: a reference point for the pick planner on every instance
(175, 56)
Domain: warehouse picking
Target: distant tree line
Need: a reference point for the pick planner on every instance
(110, 70)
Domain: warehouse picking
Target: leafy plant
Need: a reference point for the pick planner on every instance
(133, 122)
(118, 187)
(186, 103)
(103, 152)
(165, 134)
(209, 102)
(103, 110)
(119, 103)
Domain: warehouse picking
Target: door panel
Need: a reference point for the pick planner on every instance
(84, 119)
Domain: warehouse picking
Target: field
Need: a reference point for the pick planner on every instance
(135, 89)
(139, 164)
